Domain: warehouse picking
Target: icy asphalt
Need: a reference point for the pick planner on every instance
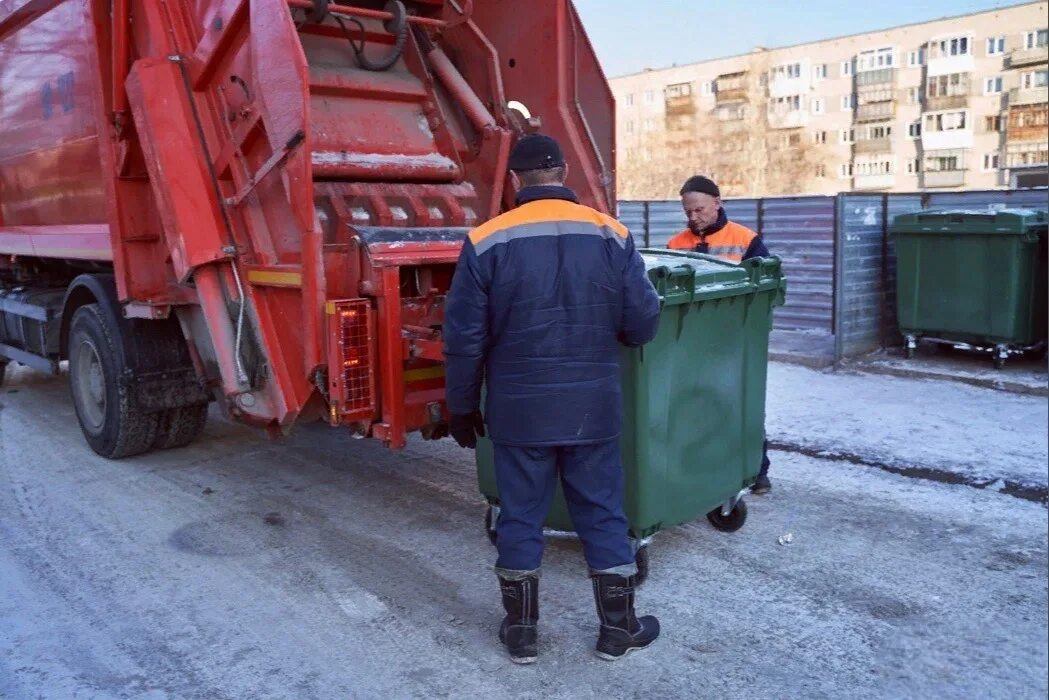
(323, 567)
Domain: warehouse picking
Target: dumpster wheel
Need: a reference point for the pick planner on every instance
(731, 522)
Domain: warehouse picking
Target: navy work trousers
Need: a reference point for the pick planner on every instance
(592, 480)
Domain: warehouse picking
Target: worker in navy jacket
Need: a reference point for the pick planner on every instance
(542, 298)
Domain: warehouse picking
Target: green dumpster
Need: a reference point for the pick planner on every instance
(972, 279)
(694, 398)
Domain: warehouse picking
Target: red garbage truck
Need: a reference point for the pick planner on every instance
(261, 202)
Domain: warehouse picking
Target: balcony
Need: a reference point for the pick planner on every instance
(1020, 58)
(945, 65)
(731, 87)
(880, 77)
(873, 182)
(1027, 123)
(683, 105)
(875, 112)
(1026, 155)
(944, 178)
(1028, 96)
(946, 102)
(947, 140)
(788, 120)
(883, 145)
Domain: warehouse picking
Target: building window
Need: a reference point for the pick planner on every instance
(953, 85)
(1036, 39)
(848, 101)
(630, 100)
(916, 59)
(650, 96)
(945, 121)
(875, 59)
(845, 170)
(817, 105)
(953, 46)
(880, 131)
(995, 45)
(992, 86)
(912, 166)
(990, 162)
(630, 126)
(819, 137)
(650, 124)
(708, 88)
(847, 67)
(945, 161)
(821, 170)
(1034, 79)
(848, 136)
(914, 129)
(787, 71)
(819, 72)
(993, 123)
(876, 165)
(784, 105)
(679, 90)
(914, 95)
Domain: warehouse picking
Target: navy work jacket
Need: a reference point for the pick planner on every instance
(542, 297)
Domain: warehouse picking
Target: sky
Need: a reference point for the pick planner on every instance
(631, 35)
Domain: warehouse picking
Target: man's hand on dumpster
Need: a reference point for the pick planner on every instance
(466, 428)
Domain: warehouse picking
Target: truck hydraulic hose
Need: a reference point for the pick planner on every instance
(398, 26)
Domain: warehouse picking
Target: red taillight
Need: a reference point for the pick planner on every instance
(351, 375)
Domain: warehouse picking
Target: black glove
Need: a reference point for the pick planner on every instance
(466, 428)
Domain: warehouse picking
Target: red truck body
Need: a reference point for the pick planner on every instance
(279, 186)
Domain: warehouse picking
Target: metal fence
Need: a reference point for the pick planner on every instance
(837, 253)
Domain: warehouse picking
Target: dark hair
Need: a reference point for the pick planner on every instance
(542, 176)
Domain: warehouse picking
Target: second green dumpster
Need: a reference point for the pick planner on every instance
(693, 399)
(974, 278)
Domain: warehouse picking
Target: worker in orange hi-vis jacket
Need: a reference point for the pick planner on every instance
(709, 231)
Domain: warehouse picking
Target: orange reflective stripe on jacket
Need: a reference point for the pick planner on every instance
(728, 244)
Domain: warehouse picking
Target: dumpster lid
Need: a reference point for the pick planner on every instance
(681, 277)
(970, 221)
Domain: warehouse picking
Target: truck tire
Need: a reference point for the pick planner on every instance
(3, 371)
(112, 425)
(178, 427)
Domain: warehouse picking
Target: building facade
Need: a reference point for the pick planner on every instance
(951, 104)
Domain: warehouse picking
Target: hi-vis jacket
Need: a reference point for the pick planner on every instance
(541, 299)
(725, 239)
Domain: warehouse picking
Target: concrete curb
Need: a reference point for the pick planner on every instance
(1037, 493)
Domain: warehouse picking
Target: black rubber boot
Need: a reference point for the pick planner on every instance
(621, 630)
(520, 628)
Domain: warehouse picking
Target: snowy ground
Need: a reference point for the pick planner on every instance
(941, 425)
(324, 567)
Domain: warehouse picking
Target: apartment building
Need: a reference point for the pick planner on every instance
(951, 104)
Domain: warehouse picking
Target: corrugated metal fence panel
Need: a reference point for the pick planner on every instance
(632, 215)
(800, 230)
(989, 199)
(743, 212)
(861, 226)
(665, 220)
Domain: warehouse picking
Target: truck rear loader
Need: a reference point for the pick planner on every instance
(261, 202)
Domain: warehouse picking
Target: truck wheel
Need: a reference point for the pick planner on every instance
(3, 371)
(178, 427)
(731, 522)
(111, 424)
